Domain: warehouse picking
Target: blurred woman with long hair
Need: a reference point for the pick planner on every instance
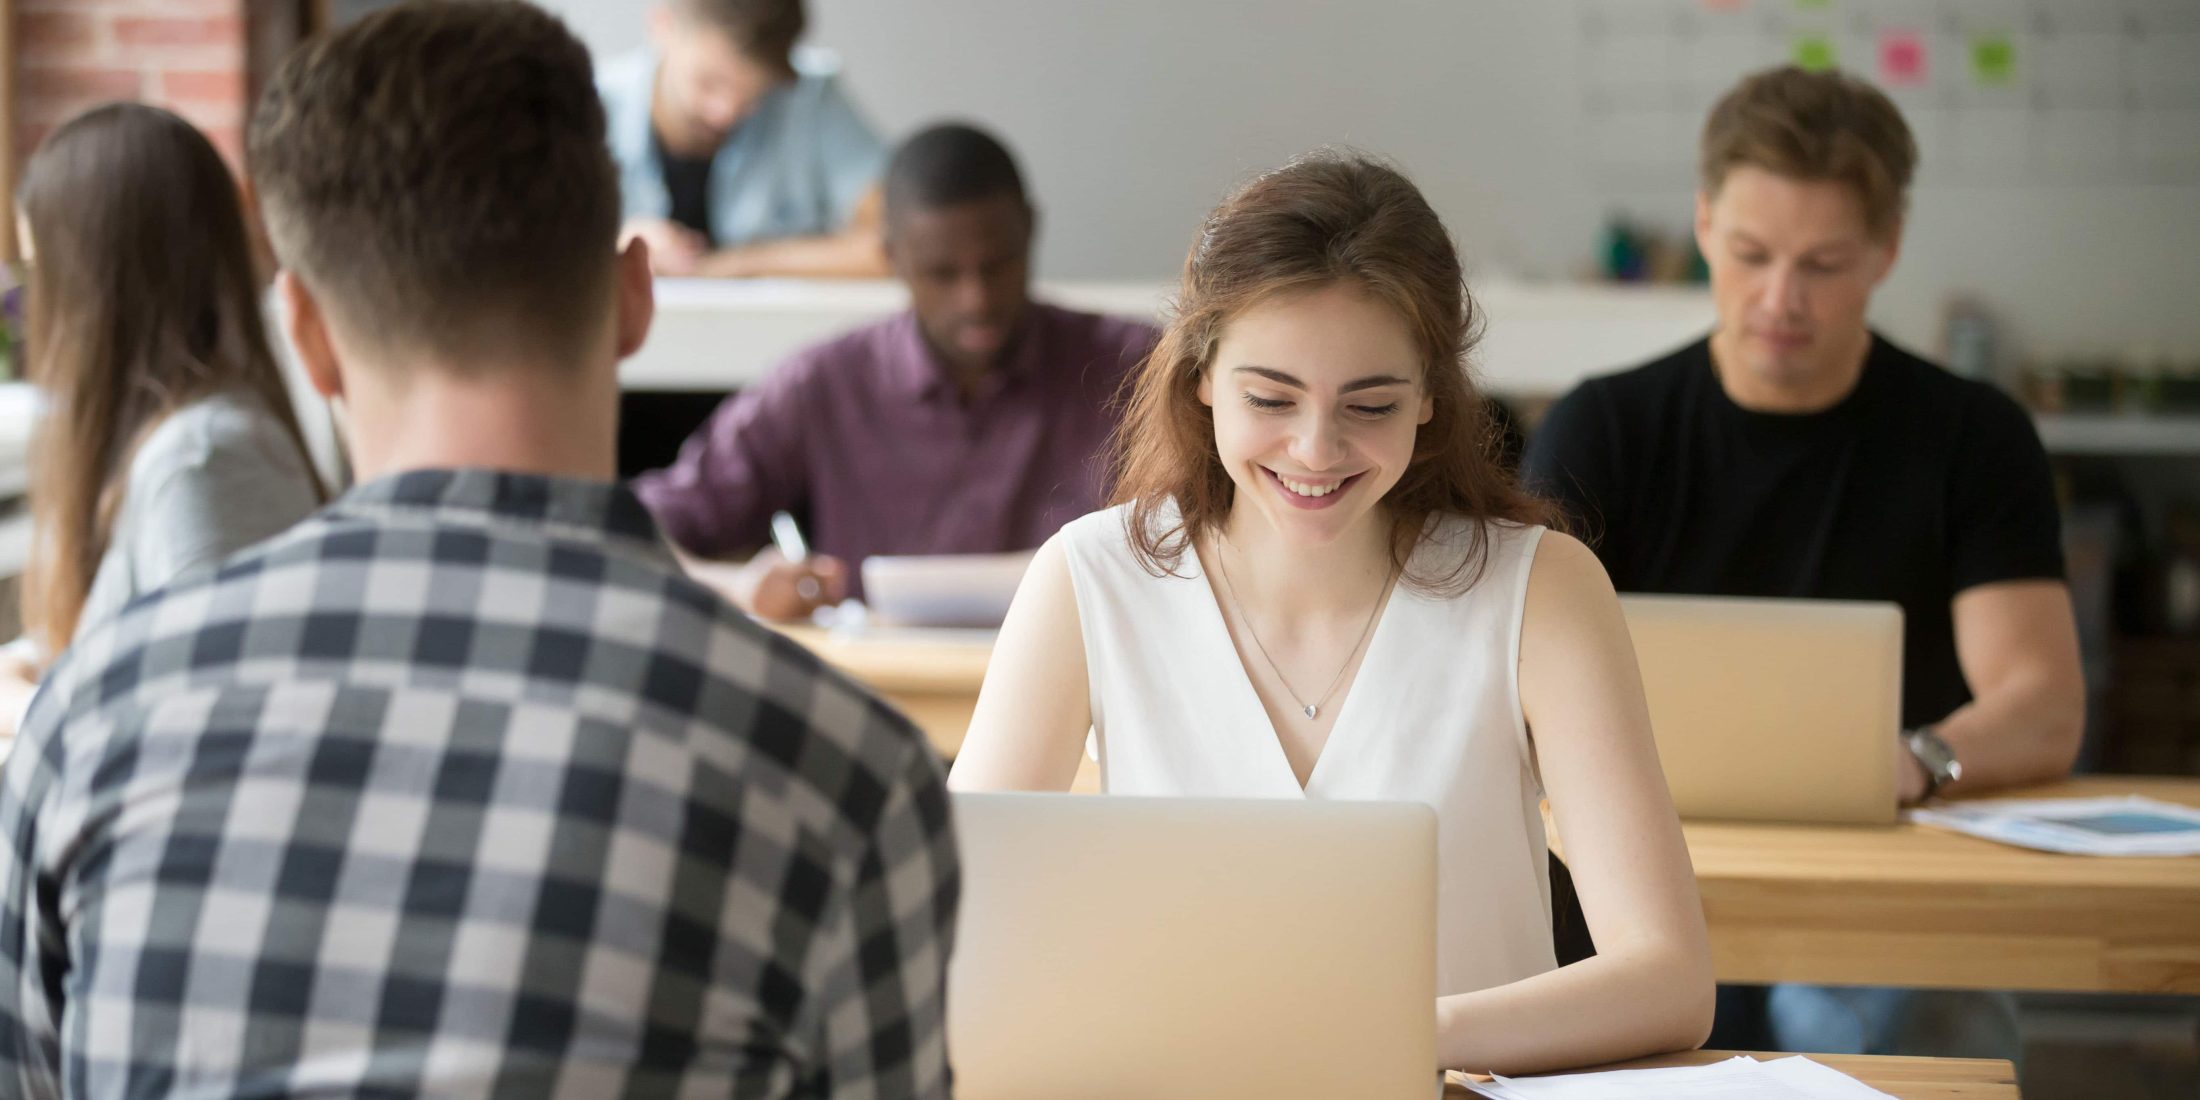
(168, 440)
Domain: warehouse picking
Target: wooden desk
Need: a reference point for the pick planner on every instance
(1920, 907)
(932, 676)
(1905, 1078)
(1906, 905)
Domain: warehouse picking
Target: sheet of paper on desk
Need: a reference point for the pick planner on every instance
(1779, 1079)
(2127, 826)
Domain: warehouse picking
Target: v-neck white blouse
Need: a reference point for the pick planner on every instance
(1433, 716)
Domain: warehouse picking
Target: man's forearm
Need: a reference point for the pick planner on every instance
(2024, 731)
(841, 255)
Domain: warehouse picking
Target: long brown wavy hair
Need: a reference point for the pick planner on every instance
(142, 300)
(1326, 218)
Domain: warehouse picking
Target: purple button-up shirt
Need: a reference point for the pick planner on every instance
(868, 437)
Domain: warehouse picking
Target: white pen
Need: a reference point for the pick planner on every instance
(787, 536)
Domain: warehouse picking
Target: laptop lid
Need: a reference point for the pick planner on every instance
(1773, 710)
(948, 590)
(1193, 948)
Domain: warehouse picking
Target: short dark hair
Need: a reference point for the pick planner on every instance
(437, 172)
(948, 165)
(765, 30)
(1814, 126)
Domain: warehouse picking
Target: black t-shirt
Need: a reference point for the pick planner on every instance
(1915, 487)
(687, 184)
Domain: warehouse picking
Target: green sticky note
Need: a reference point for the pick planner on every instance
(1813, 52)
(1993, 59)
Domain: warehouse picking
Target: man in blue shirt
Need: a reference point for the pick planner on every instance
(737, 154)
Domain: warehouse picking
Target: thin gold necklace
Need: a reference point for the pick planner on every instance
(1222, 560)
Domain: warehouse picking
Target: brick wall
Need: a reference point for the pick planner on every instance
(185, 55)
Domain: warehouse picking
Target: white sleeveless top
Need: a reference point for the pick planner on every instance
(1432, 717)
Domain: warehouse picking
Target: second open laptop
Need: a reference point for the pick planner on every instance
(1161, 948)
(1773, 710)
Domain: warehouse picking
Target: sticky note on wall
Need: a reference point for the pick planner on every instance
(1993, 60)
(1813, 52)
(1902, 59)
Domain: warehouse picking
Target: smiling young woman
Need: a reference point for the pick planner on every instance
(1318, 583)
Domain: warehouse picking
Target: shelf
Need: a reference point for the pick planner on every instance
(2119, 433)
(715, 335)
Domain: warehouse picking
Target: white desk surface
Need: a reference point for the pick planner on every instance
(1540, 339)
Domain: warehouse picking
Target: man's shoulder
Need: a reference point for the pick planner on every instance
(1124, 340)
(1658, 378)
(810, 93)
(322, 601)
(1116, 326)
(795, 108)
(856, 353)
(1642, 395)
(1939, 396)
(816, 84)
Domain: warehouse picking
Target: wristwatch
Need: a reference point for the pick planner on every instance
(1934, 755)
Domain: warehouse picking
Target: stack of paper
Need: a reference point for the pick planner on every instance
(1779, 1079)
(2128, 826)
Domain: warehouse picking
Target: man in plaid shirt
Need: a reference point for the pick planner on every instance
(460, 787)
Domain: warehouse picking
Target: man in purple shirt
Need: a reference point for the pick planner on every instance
(976, 422)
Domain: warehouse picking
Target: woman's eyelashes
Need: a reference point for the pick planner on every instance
(1279, 404)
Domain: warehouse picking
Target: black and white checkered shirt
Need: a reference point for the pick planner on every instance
(461, 788)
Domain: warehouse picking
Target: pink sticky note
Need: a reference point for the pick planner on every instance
(1901, 59)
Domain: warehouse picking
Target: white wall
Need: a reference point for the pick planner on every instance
(1133, 116)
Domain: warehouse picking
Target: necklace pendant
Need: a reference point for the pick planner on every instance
(1312, 709)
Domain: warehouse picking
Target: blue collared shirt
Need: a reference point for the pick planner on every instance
(795, 167)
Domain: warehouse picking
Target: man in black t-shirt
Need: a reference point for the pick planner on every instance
(1916, 486)
(1794, 452)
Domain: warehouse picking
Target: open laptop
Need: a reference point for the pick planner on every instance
(945, 590)
(1773, 710)
(1162, 948)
